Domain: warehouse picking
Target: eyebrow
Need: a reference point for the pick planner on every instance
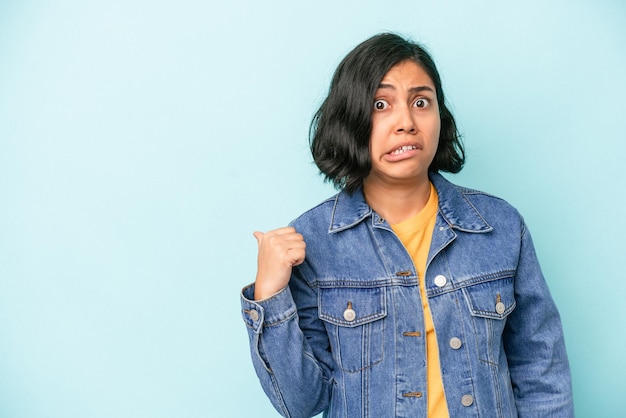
(416, 89)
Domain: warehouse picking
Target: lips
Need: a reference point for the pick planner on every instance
(403, 149)
(402, 152)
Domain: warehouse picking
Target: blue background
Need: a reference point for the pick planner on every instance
(142, 142)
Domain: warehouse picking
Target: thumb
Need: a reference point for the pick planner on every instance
(259, 237)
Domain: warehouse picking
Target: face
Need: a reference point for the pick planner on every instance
(405, 127)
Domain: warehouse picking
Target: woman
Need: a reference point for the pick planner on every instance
(403, 295)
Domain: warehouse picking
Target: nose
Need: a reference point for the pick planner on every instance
(406, 120)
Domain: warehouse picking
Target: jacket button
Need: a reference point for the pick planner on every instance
(455, 343)
(440, 280)
(500, 308)
(467, 400)
(349, 314)
(253, 314)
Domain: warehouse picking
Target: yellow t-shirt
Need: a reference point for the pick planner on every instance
(416, 233)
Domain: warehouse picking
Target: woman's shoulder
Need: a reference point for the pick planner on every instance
(488, 201)
(458, 200)
(317, 215)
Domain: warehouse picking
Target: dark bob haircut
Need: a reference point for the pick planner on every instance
(340, 131)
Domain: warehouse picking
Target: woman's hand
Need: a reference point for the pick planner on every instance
(279, 251)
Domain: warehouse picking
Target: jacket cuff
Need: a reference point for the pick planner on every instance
(267, 312)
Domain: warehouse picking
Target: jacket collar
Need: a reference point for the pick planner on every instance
(454, 207)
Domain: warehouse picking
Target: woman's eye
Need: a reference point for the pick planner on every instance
(381, 104)
(421, 103)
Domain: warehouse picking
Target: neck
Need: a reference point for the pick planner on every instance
(397, 203)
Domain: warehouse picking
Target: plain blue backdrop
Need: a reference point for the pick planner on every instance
(142, 142)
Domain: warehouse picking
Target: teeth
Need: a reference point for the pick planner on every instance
(404, 149)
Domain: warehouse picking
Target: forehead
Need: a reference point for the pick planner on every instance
(407, 72)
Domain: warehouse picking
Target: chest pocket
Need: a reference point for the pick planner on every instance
(489, 304)
(354, 321)
(494, 299)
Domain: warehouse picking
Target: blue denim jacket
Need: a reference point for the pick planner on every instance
(347, 335)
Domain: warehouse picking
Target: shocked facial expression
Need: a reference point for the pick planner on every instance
(405, 126)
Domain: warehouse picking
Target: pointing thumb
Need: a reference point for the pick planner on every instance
(259, 236)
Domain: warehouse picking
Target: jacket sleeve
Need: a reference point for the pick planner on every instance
(534, 344)
(289, 348)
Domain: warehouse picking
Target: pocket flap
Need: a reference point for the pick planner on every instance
(494, 299)
(351, 306)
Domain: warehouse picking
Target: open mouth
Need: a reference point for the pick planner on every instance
(403, 149)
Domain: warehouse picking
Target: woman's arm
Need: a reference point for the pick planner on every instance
(534, 344)
(288, 342)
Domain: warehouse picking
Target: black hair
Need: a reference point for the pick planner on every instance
(340, 131)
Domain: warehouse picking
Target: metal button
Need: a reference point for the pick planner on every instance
(467, 400)
(349, 315)
(253, 314)
(455, 343)
(440, 280)
(500, 308)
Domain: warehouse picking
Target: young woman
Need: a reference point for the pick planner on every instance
(403, 295)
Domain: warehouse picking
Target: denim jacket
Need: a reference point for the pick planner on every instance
(347, 335)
